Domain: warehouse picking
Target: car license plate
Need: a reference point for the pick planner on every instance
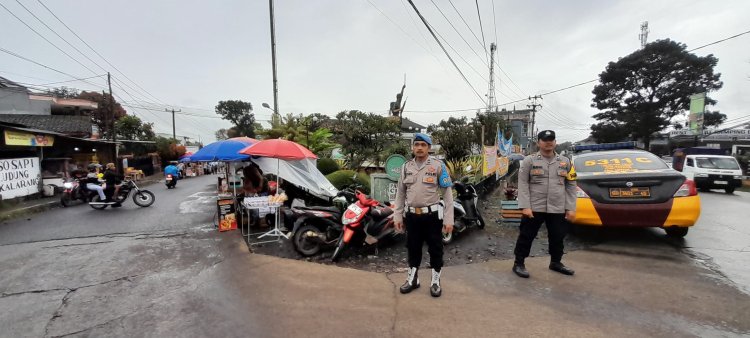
(637, 192)
(721, 182)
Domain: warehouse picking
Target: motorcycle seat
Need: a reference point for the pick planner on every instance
(381, 212)
(321, 208)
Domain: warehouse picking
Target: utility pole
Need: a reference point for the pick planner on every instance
(533, 106)
(492, 102)
(112, 113)
(174, 133)
(111, 108)
(643, 37)
(273, 61)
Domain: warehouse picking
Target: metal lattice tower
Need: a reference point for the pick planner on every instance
(492, 102)
(644, 34)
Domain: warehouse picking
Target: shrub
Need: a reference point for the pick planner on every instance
(342, 178)
(327, 166)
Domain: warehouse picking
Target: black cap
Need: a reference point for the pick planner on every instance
(546, 135)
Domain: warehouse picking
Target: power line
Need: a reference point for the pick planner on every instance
(401, 29)
(459, 33)
(59, 36)
(34, 62)
(96, 52)
(45, 39)
(719, 41)
(494, 19)
(484, 43)
(445, 51)
(470, 30)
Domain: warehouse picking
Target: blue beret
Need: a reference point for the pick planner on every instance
(422, 137)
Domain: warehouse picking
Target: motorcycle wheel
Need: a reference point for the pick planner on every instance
(339, 249)
(480, 220)
(447, 238)
(100, 206)
(305, 246)
(65, 199)
(144, 198)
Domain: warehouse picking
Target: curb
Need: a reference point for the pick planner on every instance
(27, 211)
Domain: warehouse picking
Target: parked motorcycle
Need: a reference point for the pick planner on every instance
(316, 227)
(365, 221)
(465, 210)
(75, 191)
(170, 181)
(141, 197)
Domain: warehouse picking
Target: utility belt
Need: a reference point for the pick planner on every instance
(425, 210)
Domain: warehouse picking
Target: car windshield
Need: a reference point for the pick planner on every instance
(717, 163)
(607, 162)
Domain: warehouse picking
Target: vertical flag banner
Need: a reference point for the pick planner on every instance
(697, 106)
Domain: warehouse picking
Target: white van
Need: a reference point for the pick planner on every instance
(713, 172)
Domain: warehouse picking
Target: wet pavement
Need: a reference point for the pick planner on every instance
(165, 271)
(495, 241)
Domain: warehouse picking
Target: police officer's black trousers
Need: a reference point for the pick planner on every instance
(556, 231)
(424, 228)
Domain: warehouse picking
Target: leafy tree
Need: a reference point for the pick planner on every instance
(455, 136)
(64, 92)
(131, 127)
(365, 136)
(169, 149)
(642, 92)
(101, 116)
(490, 123)
(608, 132)
(221, 134)
(320, 142)
(563, 146)
(713, 119)
(240, 113)
(288, 128)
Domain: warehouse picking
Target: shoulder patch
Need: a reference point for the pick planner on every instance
(445, 177)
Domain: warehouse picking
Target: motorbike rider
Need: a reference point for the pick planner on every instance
(92, 181)
(172, 169)
(417, 197)
(111, 177)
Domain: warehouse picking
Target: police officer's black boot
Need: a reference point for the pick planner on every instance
(559, 267)
(412, 281)
(435, 289)
(520, 269)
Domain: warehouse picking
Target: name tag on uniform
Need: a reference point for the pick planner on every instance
(537, 172)
(429, 179)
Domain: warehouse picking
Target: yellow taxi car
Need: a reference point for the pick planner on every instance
(633, 188)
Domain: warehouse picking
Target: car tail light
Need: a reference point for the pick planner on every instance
(580, 193)
(686, 189)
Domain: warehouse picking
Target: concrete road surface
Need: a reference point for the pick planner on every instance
(165, 271)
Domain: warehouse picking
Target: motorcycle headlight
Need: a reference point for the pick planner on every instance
(67, 185)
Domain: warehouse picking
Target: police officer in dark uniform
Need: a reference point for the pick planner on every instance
(546, 194)
(417, 204)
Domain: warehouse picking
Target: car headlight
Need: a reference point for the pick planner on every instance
(67, 185)
(701, 175)
(737, 177)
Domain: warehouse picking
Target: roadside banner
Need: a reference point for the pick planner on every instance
(489, 160)
(19, 177)
(17, 138)
(502, 166)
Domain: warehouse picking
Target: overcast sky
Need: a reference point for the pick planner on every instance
(337, 55)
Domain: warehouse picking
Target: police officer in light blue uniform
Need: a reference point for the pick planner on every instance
(422, 181)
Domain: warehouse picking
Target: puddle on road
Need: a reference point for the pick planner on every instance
(200, 202)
